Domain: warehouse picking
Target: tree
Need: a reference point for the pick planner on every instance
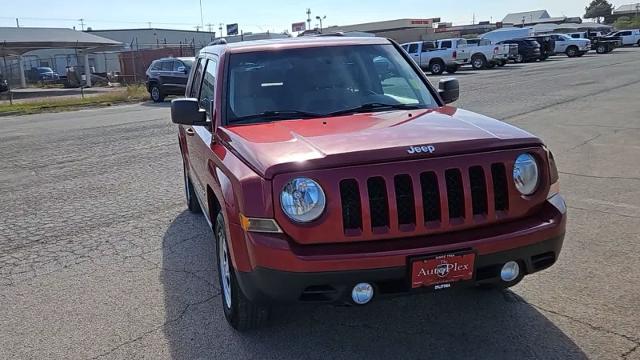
(598, 9)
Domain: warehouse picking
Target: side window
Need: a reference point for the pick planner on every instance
(413, 48)
(425, 47)
(197, 79)
(207, 92)
(625, 33)
(405, 47)
(445, 45)
(167, 65)
(156, 65)
(177, 65)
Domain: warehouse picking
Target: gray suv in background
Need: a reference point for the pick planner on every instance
(168, 76)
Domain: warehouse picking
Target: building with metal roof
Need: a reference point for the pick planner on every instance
(529, 17)
(16, 42)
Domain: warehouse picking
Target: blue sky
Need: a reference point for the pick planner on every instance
(257, 15)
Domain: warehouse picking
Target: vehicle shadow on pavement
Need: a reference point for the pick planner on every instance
(451, 325)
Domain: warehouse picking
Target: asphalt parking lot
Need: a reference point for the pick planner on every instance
(100, 259)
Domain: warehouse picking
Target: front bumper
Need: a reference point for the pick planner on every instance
(285, 272)
(272, 286)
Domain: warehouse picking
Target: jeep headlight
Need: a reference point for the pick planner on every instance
(525, 174)
(303, 200)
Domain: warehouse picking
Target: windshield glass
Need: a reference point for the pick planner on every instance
(43, 70)
(321, 81)
(187, 62)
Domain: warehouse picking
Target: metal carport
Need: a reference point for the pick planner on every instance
(18, 41)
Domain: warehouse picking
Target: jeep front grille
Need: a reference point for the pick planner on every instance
(439, 193)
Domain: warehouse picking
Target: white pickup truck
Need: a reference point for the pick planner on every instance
(483, 54)
(570, 46)
(430, 56)
(628, 37)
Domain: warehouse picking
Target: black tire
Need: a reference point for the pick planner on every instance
(192, 200)
(156, 93)
(240, 312)
(572, 51)
(601, 49)
(478, 62)
(436, 67)
(453, 69)
(519, 59)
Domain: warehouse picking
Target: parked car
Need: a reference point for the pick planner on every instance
(430, 56)
(483, 54)
(565, 44)
(168, 76)
(47, 74)
(547, 46)
(601, 44)
(628, 37)
(330, 177)
(528, 49)
(4, 84)
(510, 33)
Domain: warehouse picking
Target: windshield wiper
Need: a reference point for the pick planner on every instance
(377, 107)
(276, 115)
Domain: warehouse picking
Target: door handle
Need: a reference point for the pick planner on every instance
(190, 132)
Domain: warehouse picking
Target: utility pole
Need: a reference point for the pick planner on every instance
(81, 24)
(210, 27)
(197, 27)
(149, 23)
(201, 17)
(220, 28)
(17, 22)
(309, 19)
(473, 22)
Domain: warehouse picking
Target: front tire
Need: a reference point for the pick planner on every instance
(601, 49)
(241, 313)
(156, 94)
(192, 200)
(519, 59)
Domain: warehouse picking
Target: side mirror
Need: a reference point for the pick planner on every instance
(187, 112)
(449, 90)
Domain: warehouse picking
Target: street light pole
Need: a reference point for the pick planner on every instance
(320, 19)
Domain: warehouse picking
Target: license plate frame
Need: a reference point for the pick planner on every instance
(441, 271)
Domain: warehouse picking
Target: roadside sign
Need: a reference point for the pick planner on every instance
(232, 29)
(297, 27)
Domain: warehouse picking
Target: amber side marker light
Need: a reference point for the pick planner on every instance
(259, 225)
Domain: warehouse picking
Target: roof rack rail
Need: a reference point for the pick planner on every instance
(336, 33)
(221, 41)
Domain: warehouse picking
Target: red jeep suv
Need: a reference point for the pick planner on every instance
(331, 171)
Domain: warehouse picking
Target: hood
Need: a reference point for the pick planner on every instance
(299, 145)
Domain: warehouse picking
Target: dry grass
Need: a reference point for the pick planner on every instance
(130, 94)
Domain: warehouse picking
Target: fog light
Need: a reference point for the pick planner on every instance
(362, 293)
(510, 271)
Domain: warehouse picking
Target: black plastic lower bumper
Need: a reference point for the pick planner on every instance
(273, 286)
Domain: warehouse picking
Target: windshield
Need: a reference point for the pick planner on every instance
(187, 62)
(310, 82)
(43, 70)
